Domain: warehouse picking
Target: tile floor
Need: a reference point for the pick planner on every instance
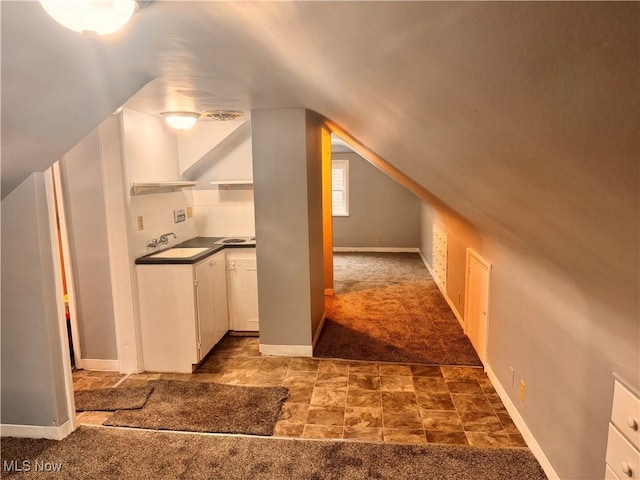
(414, 404)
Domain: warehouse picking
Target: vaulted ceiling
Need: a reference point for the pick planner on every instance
(495, 108)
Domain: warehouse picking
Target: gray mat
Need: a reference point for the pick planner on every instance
(206, 407)
(105, 453)
(112, 399)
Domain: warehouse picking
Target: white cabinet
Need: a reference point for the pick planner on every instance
(623, 442)
(242, 284)
(183, 312)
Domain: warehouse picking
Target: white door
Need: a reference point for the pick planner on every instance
(477, 302)
(243, 292)
(205, 299)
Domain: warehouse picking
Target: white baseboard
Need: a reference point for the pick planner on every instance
(377, 249)
(444, 294)
(533, 445)
(102, 365)
(34, 431)
(316, 337)
(287, 350)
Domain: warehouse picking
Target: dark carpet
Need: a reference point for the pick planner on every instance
(206, 407)
(388, 308)
(111, 399)
(104, 453)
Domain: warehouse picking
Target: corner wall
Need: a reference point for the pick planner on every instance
(33, 382)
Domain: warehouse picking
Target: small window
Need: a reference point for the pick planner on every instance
(340, 188)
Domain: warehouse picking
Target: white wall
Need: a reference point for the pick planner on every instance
(224, 213)
(33, 382)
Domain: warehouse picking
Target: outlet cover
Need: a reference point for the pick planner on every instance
(189, 212)
(179, 215)
(523, 388)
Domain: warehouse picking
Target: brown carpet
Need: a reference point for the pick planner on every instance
(388, 308)
(206, 407)
(112, 399)
(105, 453)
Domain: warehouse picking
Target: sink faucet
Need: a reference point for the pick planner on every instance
(162, 240)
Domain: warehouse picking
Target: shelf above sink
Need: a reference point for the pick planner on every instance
(158, 187)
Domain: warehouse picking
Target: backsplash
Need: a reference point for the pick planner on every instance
(224, 213)
(156, 211)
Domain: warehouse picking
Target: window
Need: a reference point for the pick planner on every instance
(340, 188)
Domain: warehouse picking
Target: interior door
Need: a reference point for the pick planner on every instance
(477, 307)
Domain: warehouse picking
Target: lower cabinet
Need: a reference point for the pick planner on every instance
(183, 312)
(242, 285)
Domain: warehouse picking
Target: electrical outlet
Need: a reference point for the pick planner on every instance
(140, 223)
(189, 212)
(523, 388)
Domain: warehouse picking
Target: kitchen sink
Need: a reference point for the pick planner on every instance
(179, 252)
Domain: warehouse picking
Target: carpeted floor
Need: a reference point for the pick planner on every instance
(111, 399)
(94, 452)
(388, 308)
(206, 407)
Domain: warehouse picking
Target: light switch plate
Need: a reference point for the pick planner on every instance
(140, 222)
(179, 215)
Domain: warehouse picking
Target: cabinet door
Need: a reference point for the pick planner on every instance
(205, 291)
(243, 291)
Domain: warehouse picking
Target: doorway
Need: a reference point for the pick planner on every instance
(477, 302)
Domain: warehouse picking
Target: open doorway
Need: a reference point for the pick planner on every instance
(385, 305)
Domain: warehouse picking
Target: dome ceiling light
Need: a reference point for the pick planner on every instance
(181, 120)
(100, 17)
(222, 115)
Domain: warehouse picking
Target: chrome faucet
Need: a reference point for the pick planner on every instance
(162, 240)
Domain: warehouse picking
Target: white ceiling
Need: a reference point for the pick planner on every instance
(483, 104)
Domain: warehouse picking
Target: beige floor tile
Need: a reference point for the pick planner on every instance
(394, 369)
(441, 420)
(304, 365)
(363, 398)
(468, 386)
(363, 417)
(404, 435)
(507, 422)
(488, 439)
(449, 438)
(460, 372)
(471, 403)
(300, 394)
(364, 368)
(403, 419)
(268, 379)
(426, 371)
(329, 397)
(322, 431)
(363, 434)
(399, 400)
(360, 381)
(333, 416)
(516, 440)
(435, 401)
(284, 429)
(207, 377)
(94, 418)
(480, 422)
(430, 385)
(242, 378)
(396, 384)
(334, 367)
(294, 413)
(331, 380)
(299, 379)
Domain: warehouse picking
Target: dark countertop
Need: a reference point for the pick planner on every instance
(197, 242)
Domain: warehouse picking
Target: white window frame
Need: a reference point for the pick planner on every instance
(344, 166)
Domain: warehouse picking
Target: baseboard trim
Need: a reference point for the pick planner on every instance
(287, 350)
(533, 445)
(34, 431)
(101, 365)
(444, 294)
(377, 249)
(316, 337)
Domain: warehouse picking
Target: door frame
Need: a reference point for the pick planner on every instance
(487, 266)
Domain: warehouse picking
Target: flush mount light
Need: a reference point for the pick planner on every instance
(222, 115)
(181, 120)
(101, 17)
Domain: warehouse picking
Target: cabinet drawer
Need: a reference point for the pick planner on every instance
(626, 413)
(623, 459)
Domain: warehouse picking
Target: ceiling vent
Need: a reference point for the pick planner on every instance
(222, 115)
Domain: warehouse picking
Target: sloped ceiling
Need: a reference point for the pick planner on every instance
(487, 105)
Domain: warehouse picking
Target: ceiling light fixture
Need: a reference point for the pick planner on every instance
(181, 120)
(101, 17)
(222, 115)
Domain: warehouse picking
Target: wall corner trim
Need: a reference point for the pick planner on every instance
(444, 293)
(532, 443)
(34, 431)
(318, 331)
(287, 350)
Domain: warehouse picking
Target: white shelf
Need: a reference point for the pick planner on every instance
(157, 187)
(229, 183)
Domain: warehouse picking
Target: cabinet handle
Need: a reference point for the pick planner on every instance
(626, 468)
(632, 423)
